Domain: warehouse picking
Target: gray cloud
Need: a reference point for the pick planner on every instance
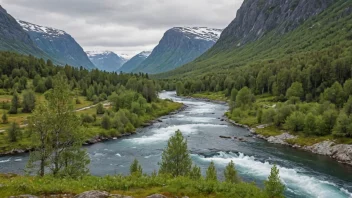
(123, 26)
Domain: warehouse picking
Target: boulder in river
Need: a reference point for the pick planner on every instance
(225, 137)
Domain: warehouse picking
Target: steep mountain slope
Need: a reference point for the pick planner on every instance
(14, 38)
(178, 46)
(106, 61)
(273, 30)
(57, 44)
(134, 62)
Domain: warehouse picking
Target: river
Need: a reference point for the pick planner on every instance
(303, 173)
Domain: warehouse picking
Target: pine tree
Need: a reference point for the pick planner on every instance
(230, 173)
(136, 168)
(4, 118)
(13, 132)
(176, 159)
(15, 103)
(211, 172)
(273, 186)
(195, 173)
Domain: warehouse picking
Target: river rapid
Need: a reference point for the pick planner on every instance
(304, 174)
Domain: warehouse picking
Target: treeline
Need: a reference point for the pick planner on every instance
(312, 88)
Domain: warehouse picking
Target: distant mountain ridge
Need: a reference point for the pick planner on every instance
(134, 62)
(14, 38)
(106, 60)
(57, 44)
(179, 46)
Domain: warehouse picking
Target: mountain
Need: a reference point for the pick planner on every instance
(270, 30)
(179, 46)
(14, 38)
(107, 60)
(134, 62)
(57, 44)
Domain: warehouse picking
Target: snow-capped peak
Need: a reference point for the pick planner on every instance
(98, 53)
(145, 53)
(30, 27)
(202, 33)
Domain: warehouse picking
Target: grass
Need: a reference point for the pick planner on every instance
(269, 131)
(220, 96)
(143, 186)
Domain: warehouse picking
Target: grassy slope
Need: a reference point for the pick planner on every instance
(330, 28)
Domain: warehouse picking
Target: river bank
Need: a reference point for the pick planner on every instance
(98, 138)
(340, 152)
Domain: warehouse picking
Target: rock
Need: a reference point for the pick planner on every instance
(225, 137)
(156, 196)
(24, 196)
(146, 124)
(119, 196)
(159, 120)
(222, 120)
(280, 139)
(93, 194)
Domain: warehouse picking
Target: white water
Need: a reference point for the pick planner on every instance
(295, 180)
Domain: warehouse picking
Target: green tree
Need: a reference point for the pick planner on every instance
(100, 109)
(195, 173)
(136, 168)
(329, 119)
(245, 98)
(296, 90)
(15, 103)
(347, 107)
(295, 122)
(211, 172)
(230, 173)
(4, 118)
(334, 94)
(58, 134)
(28, 102)
(176, 159)
(273, 186)
(106, 122)
(310, 126)
(343, 127)
(13, 132)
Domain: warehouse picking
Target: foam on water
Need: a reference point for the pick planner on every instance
(295, 180)
(196, 119)
(118, 154)
(163, 134)
(4, 161)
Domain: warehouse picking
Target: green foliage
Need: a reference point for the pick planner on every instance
(106, 122)
(244, 98)
(100, 109)
(13, 132)
(136, 168)
(334, 94)
(343, 127)
(295, 122)
(296, 90)
(28, 102)
(211, 174)
(195, 173)
(57, 135)
(273, 186)
(176, 159)
(15, 103)
(230, 173)
(4, 118)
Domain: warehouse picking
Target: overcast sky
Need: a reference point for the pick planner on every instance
(122, 26)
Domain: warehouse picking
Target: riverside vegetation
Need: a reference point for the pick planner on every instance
(26, 84)
(177, 177)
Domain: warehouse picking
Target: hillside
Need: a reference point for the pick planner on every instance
(106, 61)
(57, 44)
(14, 38)
(179, 46)
(134, 62)
(274, 30)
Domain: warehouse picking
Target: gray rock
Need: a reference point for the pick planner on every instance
(156, 196)
(24, 196)
(93, 194)
(280, 139)
(119, 196)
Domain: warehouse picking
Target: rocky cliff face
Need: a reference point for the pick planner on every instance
(134, 62)
(179, 46)
(106, 61)
(57, 44)
(14, 38)
(255, 18)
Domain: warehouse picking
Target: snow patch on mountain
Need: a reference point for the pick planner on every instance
(104, 54)
(41, 29)
(201, 33)
(145, 54)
